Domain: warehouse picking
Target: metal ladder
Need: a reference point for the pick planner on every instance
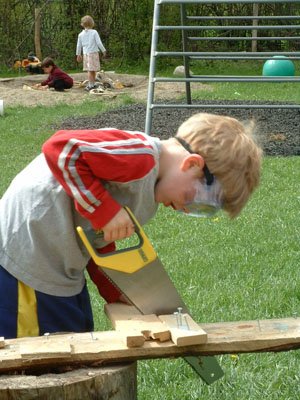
(207, 26)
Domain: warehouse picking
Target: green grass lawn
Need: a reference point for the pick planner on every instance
(229, 271)
(282, 92)
(225, 270)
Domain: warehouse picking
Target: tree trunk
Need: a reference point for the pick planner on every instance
(37, 32)
(106, 383)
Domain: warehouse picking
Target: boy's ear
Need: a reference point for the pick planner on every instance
(192, 160)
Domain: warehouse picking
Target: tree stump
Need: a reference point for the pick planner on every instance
(105, 383)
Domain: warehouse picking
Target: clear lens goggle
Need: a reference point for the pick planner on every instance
(208, 199)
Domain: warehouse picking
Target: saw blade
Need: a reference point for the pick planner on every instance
(149, 289)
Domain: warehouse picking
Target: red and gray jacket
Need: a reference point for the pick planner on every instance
(82, 178)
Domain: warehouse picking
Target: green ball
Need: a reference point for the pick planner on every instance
(279, 66)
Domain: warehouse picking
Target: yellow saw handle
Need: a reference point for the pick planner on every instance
(127, 260)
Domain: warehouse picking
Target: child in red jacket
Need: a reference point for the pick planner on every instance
(86, 177)
(57, 78)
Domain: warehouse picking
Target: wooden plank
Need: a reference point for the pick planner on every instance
(184, 332)
(128, 318)
(120, 311)
(45, 348)
(9, 353)
(108, 347)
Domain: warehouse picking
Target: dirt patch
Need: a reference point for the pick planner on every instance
(12, 90)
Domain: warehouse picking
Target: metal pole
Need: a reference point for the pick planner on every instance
(185, 58)
(152, 68)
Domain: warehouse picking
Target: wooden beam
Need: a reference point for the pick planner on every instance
(109, 347)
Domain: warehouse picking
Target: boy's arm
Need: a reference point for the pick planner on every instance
(82, 161)
(79, 168)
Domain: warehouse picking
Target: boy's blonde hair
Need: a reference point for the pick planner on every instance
(230, 153)
(87, 22)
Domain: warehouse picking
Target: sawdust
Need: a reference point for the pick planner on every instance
(16, 91)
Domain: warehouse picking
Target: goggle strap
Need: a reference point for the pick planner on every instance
(208, 175)
(184, 144)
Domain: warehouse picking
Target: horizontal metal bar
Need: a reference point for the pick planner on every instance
(238, 53)
(241, 17)
(229, 78)
(225, 1)
(236, 58)
(234, 106)
(218, 27)
(224, 38)
(217, 78)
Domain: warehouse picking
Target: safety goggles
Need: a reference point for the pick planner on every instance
(208, 199)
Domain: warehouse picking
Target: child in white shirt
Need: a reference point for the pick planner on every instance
(89, 43)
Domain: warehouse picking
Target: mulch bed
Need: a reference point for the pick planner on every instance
(277, 129)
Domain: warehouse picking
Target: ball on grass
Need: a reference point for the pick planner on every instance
(279, 66)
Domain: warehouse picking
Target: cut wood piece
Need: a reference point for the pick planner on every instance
(148, 325)
(133, 334)
(2, 342)
(184, 330)
(182, 337)
(134, 339)
(160, 333)
(147, 334)
(128, 318)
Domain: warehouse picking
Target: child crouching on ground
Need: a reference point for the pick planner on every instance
(87, 177)
(57, 79)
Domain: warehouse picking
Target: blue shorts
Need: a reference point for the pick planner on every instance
(28, 312)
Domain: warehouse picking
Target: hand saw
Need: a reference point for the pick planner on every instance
(139, 274)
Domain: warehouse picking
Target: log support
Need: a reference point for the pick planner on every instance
(111, 383)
